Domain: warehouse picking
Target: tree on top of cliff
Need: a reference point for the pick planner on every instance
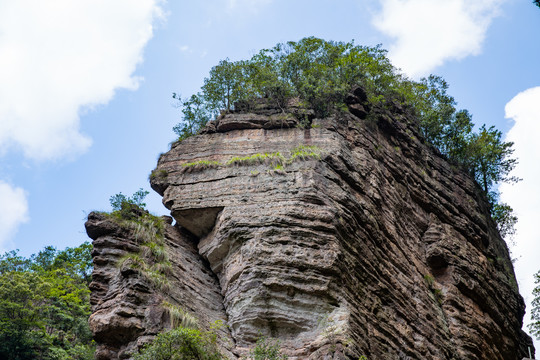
(322, 73)
(319, 72)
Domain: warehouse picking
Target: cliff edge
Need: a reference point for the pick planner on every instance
(348, 238)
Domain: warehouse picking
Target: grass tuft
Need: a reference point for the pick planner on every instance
(180, 317)
(200, 165)
(266, 158)
(305, 152)
(275, 160)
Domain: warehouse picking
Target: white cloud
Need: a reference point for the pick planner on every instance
(13, 212)
(524, 196)
(429, 32)
(58, 57)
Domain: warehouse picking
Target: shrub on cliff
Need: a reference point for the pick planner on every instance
(266, 349)
(322, 73)
(128, 208)
(181, 343)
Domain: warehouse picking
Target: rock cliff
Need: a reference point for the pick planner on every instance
(348, 238)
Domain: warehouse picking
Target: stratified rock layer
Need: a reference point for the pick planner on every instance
(127, 309)
(365, 243)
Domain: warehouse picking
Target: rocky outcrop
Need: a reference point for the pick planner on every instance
(344, 239)
(128, 310)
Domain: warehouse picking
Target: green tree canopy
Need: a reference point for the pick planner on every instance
(322, 73)
(44, 304)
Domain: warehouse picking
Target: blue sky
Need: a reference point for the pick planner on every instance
(85, 90)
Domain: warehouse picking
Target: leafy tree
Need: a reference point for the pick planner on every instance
(76, 261)
(196, 115)
(224, 87)
(489, 158)
(457, 136)
(506, 220)
(534, 327)
(11, 262)
(44, 305)
(320, 74)
(435, 108)
(537, 2)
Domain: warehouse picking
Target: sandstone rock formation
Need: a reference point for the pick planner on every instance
(349, 238)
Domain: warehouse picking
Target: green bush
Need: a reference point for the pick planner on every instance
(266, 349)
(128, 208)
(45, 305)
(181, 343)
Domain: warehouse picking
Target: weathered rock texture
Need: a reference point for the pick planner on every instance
(379, 248)
(127, 310)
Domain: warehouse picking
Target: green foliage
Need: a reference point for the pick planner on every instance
(152, 260)
(187, 342)
(489, 158)
(304, 152)
(158, 174)
(536, 2)
(196, 113)
(534, 327)
(504, 217)
(276, 160)
(434, 107)
(201, 164)
(76, 262)
(44, 305)
(182, 343)
(128, 208)
(225, 86)
(266, 349)
(428, 278)
(430, 282)
(320, 74)
(266, 158)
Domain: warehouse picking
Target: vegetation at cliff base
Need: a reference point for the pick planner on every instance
(188, 343)
(44, 305)
(534, 327)
(182, 343)
(320, 75)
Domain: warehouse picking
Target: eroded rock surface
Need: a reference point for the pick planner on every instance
(365, 242)
(127, 309)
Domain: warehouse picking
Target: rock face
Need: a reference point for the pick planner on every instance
(349, 238)
(127, 311)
